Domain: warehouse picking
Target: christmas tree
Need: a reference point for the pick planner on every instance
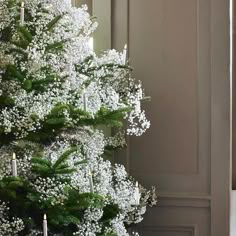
(56, 94)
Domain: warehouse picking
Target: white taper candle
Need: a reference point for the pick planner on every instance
(14, 165)
(91, 182)
(125, 54)
(85, 101)
(90, 173)
(22, 13)
(137, 194)
(45, 225)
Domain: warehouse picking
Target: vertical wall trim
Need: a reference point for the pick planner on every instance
(198, 86)
(220, 117)
(231, 103)
(128, 53)
(233, 48)
(128, 26)
(73, 3)
(120, 37)
(102, 36)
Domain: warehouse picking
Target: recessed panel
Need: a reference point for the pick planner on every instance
(165, 233)
(163, 51)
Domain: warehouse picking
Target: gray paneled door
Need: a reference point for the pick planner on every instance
(180, 50)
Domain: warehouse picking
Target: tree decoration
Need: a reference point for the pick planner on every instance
(55, 95)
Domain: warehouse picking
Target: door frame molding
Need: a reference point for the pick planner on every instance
(220, 118)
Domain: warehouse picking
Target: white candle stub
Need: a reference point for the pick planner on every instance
(22, 13)
(14, 165)
(125, 54)
(45, 225)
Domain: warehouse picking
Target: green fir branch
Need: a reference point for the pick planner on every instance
(11, 3)
(41, 161)
(18, 51)
(58, 109)
(78, 201)
(25, 33)
(5, 35)
(6, 101)
(9, 186)
(65, 171)
(42, 170)
(77, 163)
(110, 118)
(65, 156)
(44, 167)
(27, 85)
(53, 23)
(20, 44)
(110, 212)
(55, 46)
(13, 73)
(56, 121)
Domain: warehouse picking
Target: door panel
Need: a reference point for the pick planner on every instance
(175, 49)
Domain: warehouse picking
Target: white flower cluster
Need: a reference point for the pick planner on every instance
(51, 190)
(116, 141)
(138, 122)
(7, 15)
(119, 227)
(88, 229)
(102, 78)
(35, 232)
(9, 226)
(90, 226)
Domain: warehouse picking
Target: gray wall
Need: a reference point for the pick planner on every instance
(180, 50)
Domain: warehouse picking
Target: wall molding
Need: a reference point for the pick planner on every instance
(221, 156)
(184, 200)
(191, 229)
